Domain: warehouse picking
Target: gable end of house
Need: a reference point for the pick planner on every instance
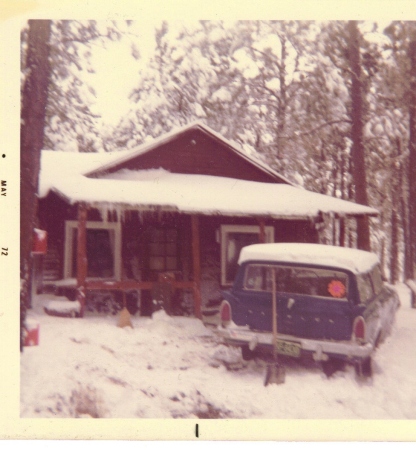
(195, 150)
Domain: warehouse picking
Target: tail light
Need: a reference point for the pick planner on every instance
(225, 313)
(359, 330)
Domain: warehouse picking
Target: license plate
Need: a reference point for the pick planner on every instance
(288, 348)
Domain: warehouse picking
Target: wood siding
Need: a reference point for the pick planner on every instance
(136, 229)
(194, 152)
(53, 212)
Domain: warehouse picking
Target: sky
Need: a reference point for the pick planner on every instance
(117, 71)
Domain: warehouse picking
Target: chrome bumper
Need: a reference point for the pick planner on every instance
(321, 350)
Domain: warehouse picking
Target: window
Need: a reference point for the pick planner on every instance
(365, 287)
(233, 239)
(297, 280)
(163, 250)
(377, 279)
(103, 249)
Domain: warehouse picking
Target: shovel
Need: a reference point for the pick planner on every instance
(275, 371)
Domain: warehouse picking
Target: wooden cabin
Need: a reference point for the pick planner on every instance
(169, 217)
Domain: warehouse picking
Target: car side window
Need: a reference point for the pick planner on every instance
(377, 279)
(365, 287)
(254, 278)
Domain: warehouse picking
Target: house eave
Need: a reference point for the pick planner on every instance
(165, 208)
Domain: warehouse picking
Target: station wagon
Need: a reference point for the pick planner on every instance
(331, 303)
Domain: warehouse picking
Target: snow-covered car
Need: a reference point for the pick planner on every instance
(331, 303)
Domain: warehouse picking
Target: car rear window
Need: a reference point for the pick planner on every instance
(297, 280)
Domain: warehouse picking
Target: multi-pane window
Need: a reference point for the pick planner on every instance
(163, 250)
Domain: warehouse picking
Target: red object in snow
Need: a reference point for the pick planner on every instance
(31, 334)
(40, 239)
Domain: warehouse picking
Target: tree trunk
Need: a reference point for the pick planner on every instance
(412, 158)
(394, 247)
(282, 101)
(34, 98)
(404, 212)
(403, 206)
(358, 157)
(383, 255)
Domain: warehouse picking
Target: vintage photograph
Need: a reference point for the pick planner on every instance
(217, 219)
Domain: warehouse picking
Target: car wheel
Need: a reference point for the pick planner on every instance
(246, 353)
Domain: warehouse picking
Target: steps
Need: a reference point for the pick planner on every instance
(51, 265)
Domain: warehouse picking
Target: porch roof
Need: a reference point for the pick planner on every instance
(158, 189)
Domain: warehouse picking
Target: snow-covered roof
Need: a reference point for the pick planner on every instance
(194, 194)
(56, 166)
(86, 177)
(174, 133)
(357, 261)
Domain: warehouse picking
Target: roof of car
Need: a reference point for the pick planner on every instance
(356, 261)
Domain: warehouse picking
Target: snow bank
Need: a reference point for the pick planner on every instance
(63, 306)
(174, 367)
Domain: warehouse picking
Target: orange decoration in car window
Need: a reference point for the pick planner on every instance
(337, 289)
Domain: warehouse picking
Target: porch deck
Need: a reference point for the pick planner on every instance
(67, 287)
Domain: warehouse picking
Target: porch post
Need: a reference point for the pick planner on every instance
(196, 264)
(262, 236)
(82, 256)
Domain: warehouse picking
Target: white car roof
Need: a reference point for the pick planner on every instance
(356, 261)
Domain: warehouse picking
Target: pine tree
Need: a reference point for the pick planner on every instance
(34, 100)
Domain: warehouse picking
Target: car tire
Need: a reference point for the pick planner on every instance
(246, 353)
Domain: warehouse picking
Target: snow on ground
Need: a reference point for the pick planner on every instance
(174, 367)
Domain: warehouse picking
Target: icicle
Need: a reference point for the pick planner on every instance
(141, 216)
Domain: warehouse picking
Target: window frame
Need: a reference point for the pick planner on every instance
(249, 229)
(71, 225)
